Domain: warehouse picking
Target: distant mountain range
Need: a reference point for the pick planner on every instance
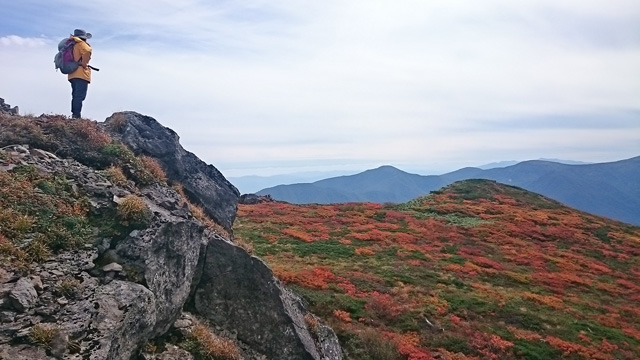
(253, 183)
(606, 189)
(514, 162)
(250, 184)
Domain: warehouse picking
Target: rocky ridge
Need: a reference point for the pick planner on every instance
(114, 295)
(7, 109)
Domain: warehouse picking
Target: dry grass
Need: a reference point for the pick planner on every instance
(153, 167)
(117, 122)
(133, 209)
(22, 223)
(9, 250)
(247, 246)
(38, 251)
(199, 213)
(213, 346)
(150, 348)
(312, 323)
(177, 187)
(42, 335)
(68, 288)
(116, 175)
(88, 130)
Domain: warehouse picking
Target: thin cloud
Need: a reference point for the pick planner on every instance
(14, 40)
(376, 81)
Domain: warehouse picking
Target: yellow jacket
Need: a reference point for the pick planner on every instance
(81, 53)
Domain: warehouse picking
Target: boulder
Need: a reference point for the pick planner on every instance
(203, 183)
(171, 352)
(24, 352)
(239, 293)
(163, 257)
(23, 296)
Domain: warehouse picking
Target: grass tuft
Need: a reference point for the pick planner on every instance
(153, 167)
(116, 175)
(205, 345)
(42, 335)
(133, 209)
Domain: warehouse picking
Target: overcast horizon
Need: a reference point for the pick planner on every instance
(275, 87)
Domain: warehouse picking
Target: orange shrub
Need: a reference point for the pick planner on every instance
(154, 168)
(212, 345)
(342, 316)
(298, 234)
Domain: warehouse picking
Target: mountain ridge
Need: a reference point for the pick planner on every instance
(580, 185)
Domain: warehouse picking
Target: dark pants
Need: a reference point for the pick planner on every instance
(78, 93)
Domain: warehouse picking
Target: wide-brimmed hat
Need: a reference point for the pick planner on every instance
(81, 34)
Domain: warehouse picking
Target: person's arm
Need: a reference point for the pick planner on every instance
(85, 55)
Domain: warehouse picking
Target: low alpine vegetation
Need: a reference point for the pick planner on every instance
(42, 335)
(117, 122)
(116, 176)
(477, 270)
(203, 344)
(134, 210)
(39, 214)
(153, 167)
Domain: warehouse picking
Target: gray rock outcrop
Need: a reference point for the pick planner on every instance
(107, 318)
(238, 292)
(108, 299)
(203, 183)
(23, 296)
(6, 108)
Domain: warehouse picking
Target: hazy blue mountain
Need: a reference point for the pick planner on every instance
(607, 189)
(501, 164)
(252, 183)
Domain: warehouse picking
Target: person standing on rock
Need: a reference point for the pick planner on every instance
(80, 78)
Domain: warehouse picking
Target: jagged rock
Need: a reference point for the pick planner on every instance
(115, 267)
(24, 352)
(328, 341)
(5, 276)
(172, 352)
(238, 292)
(7, 316)
(125, 319)
(6, 108)
(184, 321)
(37, 283)
(59, 344)
(165, 256)
(23, 296)
(203, 183)
(251, 199)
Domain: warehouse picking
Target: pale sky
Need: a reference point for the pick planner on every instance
(263, 87)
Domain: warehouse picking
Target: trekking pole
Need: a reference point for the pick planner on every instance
(93, 68)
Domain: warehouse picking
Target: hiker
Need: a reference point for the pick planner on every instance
(80, 78)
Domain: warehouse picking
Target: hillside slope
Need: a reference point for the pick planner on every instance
(606, 189)
(116, 244)
(477, 270)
